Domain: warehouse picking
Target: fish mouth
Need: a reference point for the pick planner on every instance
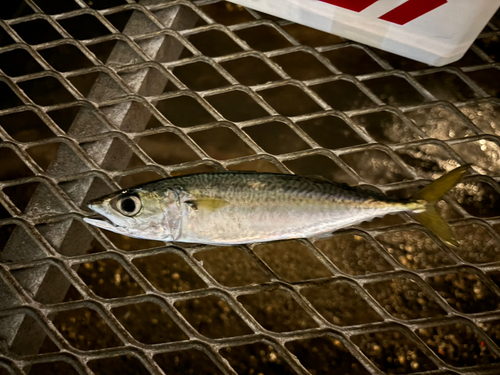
(100, 220)
(103, 223)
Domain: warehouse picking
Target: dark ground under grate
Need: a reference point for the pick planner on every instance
(98, 95)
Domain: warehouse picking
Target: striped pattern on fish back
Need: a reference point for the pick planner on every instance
(256, 186)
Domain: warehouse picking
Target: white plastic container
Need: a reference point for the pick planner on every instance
(436, 32)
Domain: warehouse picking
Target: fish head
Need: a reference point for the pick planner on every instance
(138, 213)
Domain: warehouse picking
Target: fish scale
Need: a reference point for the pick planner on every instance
(245, 207)
(239, 185)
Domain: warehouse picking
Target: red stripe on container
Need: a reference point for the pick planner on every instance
(411, 10)
(355, 5)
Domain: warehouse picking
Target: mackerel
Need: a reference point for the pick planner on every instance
(245, 207)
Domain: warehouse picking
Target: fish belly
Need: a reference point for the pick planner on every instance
(238, 224)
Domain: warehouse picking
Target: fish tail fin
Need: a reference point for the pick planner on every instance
(431, 195)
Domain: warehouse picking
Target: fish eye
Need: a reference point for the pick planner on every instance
(129, 205)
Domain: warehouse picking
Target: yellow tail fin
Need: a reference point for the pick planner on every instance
(431, 194)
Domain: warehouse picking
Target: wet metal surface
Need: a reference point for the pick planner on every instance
(98, 95)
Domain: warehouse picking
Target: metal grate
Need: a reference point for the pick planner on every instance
(103, 94)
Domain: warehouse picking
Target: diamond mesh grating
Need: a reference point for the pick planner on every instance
(99, 95)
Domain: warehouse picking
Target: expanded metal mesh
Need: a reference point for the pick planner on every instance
(100, 95)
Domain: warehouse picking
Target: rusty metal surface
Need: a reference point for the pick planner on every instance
(87, 109)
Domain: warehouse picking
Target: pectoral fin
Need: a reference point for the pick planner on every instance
(210, 204)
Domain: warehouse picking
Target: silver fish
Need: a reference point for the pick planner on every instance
(245, 207)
